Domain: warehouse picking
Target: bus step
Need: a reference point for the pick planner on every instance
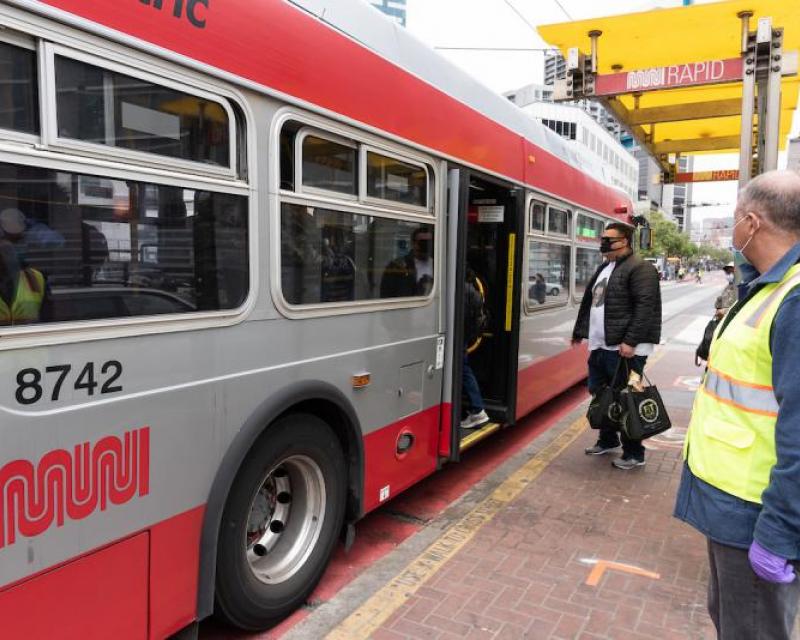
(470, 437)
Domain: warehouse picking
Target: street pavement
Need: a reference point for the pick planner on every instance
(530, 538)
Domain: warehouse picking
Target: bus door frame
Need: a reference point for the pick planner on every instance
(457, 228)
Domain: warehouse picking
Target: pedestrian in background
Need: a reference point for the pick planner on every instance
(620, 314)
(729, 294)
(741, 478)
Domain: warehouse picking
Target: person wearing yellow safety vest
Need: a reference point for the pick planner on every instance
(741, 478)
(24, 295)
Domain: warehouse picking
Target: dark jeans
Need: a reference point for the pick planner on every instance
(472, 392)
(602, 367)
(742, 606)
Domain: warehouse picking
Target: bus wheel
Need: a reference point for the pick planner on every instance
(281, 522)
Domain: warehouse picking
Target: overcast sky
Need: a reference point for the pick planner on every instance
(493, 23)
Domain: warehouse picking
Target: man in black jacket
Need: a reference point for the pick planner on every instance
(620, 315)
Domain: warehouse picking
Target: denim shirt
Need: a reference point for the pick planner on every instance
(775, 523)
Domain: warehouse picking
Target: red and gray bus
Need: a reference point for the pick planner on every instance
(233, 241)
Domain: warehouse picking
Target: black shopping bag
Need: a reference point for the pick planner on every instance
(644, 414)
(605, 408)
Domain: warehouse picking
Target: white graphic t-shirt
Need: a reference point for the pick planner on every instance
(597, 316)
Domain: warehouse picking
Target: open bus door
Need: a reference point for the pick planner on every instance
(486, 232)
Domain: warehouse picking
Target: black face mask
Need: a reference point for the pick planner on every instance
(605, 245)
(424, 246)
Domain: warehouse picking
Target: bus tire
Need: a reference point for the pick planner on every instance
(281, 521)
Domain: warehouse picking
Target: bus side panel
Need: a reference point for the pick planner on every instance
(547, 363)
(389, 472)
(102, 595)
(546, 379)
(174, 569)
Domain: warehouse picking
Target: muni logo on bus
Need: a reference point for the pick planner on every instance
(192, 12)
(72, 484)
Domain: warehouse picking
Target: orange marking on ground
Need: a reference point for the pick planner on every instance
(600, 568)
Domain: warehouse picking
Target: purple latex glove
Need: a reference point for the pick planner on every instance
(770, 567)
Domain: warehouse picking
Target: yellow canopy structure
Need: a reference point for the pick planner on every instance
(693, 119)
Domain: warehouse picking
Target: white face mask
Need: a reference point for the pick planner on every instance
(734, 247)
(730, 278)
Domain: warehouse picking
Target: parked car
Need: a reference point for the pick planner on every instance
(95, 303)
(553, 288)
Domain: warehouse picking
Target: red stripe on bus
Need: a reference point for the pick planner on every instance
(389, 472)
(445, 440)
(277, 45)
(174, 570)
(107, 592)
(101, 595)
(548, 378)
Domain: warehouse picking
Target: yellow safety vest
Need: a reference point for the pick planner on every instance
(27, 300)
(731, 438)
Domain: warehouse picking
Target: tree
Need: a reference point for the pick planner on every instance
(668, 240)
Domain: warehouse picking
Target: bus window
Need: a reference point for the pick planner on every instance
(586, 263)
(538, 213)
(396, 181)
(557, 221)
(329, 165)
(19, 93)
(548, 273)
(333, 256)
(108, 108)
(83, 247)
(589, 229)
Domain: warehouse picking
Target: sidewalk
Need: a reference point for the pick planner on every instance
(528, 572)
(553, 544)
(561, 546)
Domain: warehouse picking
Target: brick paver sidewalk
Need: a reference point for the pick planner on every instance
(525, 573)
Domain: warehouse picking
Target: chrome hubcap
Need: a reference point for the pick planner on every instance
(285, 519)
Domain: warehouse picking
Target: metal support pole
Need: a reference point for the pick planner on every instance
(772, 105)
(748, 99)
(745, 16)
(594, 35)
(761, 122)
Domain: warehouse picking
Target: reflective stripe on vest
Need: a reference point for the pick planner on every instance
(27, 302)
(730, 443)
(758, 315)
(748, 397)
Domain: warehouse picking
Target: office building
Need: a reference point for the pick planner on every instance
(395, 9)
(573, 123)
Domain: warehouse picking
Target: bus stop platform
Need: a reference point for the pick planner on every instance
(527, 537)
(552, 544)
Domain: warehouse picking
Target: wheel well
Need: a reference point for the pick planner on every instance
(350, 441)
(314, 397)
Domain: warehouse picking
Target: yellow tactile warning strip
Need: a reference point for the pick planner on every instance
(375, 611)
(477, 435)
(365, 620)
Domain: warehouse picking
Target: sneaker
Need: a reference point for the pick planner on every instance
(598, 449)
(626, 464)
(475, 420)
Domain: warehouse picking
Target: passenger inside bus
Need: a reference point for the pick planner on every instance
(412, 274)
(24, 294)
(475, 322)
(107, 248)
(338, 269)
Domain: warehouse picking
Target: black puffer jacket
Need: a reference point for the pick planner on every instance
(633, 304)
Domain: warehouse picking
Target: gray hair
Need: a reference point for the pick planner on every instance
(776, 196)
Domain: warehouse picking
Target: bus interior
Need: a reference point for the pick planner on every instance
(491, 219)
